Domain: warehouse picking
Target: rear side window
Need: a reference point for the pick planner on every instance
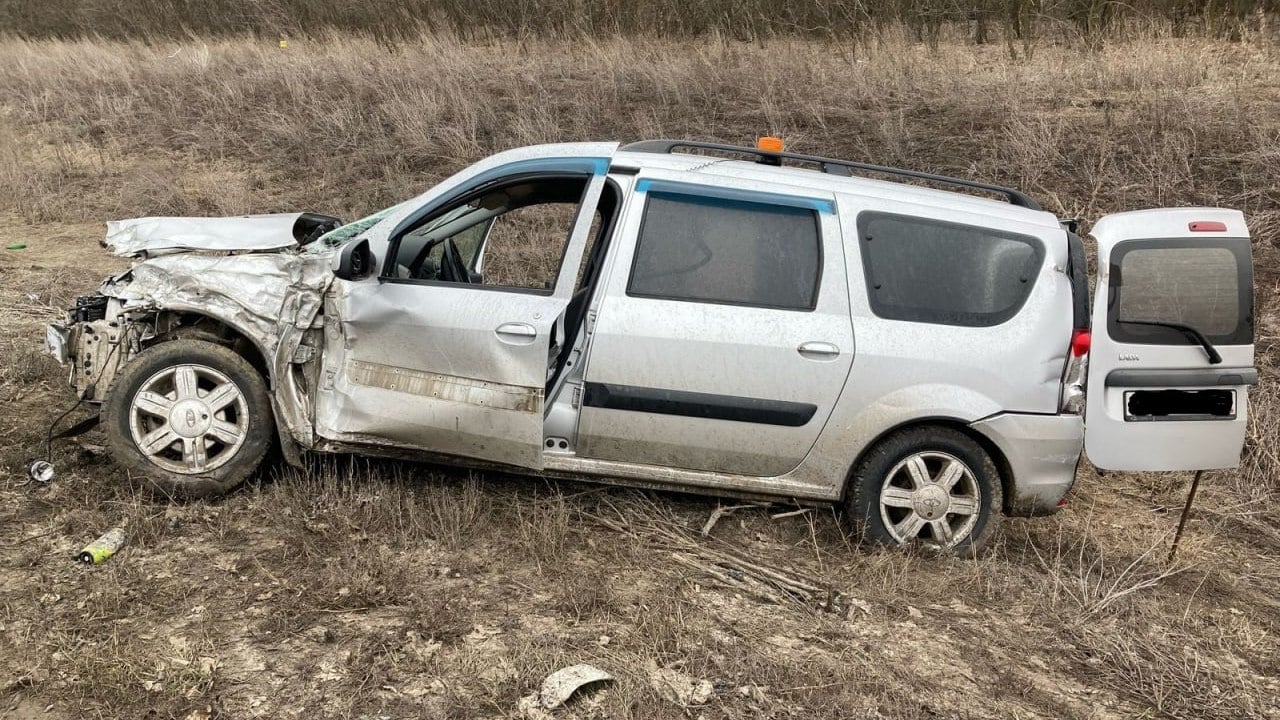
(1201, 283)
(727, 251)
(938, 272)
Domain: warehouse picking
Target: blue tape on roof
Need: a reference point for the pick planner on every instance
(735, 195)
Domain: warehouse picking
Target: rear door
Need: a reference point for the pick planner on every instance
(1172, 354)
(724, 337)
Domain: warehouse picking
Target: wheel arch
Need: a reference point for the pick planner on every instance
(997, 457)
(176, 325)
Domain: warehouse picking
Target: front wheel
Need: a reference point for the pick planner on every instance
(930, 485)
(190, 417)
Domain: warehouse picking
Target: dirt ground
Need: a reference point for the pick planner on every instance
(371, 590)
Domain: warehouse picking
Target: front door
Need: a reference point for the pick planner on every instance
(451, 348)
(1172, 355)
(723, 338)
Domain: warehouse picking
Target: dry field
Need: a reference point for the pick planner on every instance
(360, 590)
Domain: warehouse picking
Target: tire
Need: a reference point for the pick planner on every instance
(890, 505)
(197, 395)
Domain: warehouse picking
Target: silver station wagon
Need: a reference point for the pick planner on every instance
(726, 320)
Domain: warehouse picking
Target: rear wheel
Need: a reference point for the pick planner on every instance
(931, 485)
(190, 417)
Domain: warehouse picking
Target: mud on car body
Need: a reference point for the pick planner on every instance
(737, 321)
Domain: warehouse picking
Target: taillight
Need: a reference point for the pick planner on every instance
(1071, 401)
(1080, 341)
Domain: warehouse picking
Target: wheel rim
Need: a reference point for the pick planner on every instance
(188, 419)
(931, 497)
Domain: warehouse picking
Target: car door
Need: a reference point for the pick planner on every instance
(456, 363)
(1172, 355)
(723, 338)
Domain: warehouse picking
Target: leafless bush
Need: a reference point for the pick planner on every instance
(982, 20)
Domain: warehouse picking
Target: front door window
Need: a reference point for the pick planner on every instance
(511, 236)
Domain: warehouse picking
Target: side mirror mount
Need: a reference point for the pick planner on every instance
(355, 262)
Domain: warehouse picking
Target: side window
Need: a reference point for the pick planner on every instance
(930, 271)
(525, 245)
(510, 235)
(1207, 285)
(731, 252)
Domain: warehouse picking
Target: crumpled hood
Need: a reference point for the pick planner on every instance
(159, 235)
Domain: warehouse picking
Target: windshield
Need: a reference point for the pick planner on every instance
(338, 236)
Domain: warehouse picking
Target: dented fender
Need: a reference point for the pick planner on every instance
(273, 299)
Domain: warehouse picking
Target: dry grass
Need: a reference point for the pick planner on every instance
(380, 589)
(96, 130)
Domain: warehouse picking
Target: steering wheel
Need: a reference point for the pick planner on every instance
(453, 263)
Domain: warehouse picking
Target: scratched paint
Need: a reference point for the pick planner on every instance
(446, 387)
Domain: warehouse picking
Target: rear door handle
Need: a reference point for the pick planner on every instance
(818, 351)
(516, 333)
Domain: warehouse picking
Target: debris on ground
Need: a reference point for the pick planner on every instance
(558, 688)
(97, 552)
(40, 471)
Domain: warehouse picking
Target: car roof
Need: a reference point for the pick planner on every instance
(800, 177)
(793, 176)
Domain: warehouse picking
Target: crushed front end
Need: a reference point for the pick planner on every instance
(97, 337)
(234, 281)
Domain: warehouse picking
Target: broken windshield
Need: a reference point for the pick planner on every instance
(341, 235)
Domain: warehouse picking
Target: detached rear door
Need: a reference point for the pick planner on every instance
(1172, 355)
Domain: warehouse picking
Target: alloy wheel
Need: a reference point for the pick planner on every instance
(188, 419)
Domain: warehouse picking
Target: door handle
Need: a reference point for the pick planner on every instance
(818, 351)
(516, 333)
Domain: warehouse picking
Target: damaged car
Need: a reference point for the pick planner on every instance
(718, 319)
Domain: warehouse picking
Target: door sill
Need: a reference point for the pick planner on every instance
(694, 481)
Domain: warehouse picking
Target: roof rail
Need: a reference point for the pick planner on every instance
(835, 167)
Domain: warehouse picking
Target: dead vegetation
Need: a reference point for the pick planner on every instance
(366, 590)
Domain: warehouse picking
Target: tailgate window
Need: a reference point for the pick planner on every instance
(1205, 284)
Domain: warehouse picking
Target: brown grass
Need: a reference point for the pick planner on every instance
(98, 130)
(362, 589)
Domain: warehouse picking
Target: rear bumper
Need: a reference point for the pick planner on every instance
(1042, 452)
